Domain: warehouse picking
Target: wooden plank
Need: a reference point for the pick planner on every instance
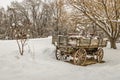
(79, 42)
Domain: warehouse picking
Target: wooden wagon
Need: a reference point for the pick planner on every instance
(79, 48)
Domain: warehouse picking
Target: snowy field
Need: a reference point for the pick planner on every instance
(39, 63)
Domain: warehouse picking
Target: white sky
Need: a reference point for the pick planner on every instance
(4, 3)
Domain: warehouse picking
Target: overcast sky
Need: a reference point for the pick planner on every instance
(4, 3)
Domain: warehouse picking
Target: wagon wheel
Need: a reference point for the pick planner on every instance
(100, 54)
(60, 55)
(79, 57)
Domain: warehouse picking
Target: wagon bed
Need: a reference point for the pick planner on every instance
(81, 42)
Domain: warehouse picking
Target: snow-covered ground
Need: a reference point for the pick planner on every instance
(39, 63)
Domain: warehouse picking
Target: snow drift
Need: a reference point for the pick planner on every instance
(39, 63)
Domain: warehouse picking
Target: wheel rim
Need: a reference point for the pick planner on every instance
(58, 54)
(100, 55)
(79, 57)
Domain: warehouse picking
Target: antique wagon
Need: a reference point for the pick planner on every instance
(79, 48)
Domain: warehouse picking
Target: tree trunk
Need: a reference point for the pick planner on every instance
(113, 43)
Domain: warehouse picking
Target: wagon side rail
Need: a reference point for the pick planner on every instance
(87, 42)
(78, 41)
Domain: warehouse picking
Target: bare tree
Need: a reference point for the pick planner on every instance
(19, 27)
(3, 23)
(34, 8)
(61, 17)
(21, 38)
(104, 13)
